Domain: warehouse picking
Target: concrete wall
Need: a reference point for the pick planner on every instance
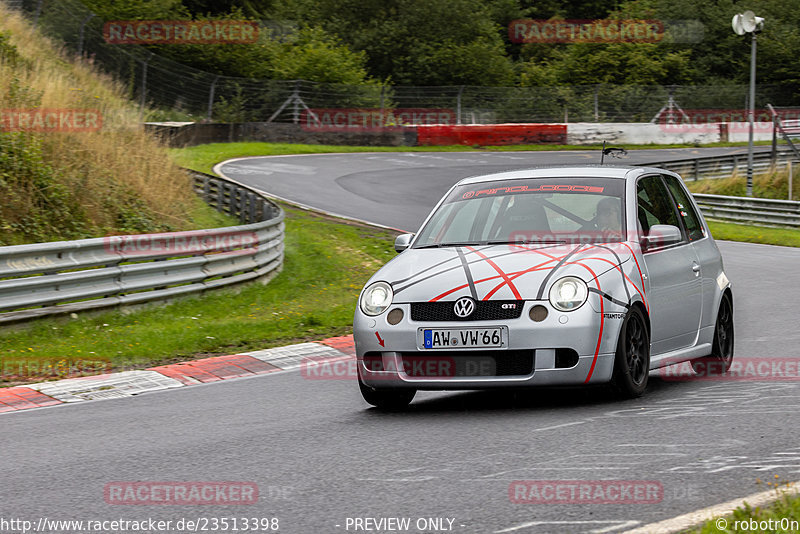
(578, 133)
(585, 133)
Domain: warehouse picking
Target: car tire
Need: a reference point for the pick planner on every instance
(721, 356)
(632, 360)
(394, 399)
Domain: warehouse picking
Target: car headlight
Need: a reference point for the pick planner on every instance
(568, 293)
(376, 298)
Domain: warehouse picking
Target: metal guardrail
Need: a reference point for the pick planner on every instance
(237, 200)
(788, 128)
(758, 211)
(712, 167)
(67, 276)
(763, 211)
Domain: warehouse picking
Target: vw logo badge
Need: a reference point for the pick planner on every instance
(464, 307)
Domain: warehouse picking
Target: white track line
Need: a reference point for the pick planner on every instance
(218, 170)
(692, 519)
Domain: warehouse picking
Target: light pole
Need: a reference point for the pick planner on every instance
(742, 23)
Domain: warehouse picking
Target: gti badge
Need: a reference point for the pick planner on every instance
(464, 307)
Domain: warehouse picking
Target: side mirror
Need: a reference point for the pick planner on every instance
(402, 242)
(661, 235)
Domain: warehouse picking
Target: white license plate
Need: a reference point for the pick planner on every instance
(460, 338)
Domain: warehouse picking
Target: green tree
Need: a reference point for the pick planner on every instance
(251, 8)
(137, 9)
(617, 63)
(415, 42)
(721, 55)
(311, 55)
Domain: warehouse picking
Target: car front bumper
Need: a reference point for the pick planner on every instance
(391, 356)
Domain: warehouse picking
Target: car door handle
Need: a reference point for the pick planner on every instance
(696, 268)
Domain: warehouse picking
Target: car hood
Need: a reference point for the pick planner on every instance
(496, 272)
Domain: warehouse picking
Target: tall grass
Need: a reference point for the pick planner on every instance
(771, 184)
(80, 184)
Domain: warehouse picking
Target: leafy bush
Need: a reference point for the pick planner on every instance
(71, 185)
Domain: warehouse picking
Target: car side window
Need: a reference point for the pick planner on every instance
(686, 209)
(654, 204)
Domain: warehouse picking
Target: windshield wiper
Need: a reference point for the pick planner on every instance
(524, 241)
(495, 242)
(441, 245)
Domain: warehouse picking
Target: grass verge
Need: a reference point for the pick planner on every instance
(203, 157)
(204, 216)
(326, 264)
(786, 237)
(777, 517)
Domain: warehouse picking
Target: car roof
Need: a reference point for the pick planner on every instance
(584, 171)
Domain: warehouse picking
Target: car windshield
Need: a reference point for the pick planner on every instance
(536, 210)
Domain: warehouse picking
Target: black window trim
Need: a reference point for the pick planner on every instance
(681, 227)
(691, 206)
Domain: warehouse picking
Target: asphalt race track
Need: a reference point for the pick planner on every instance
(321, 458)
(398, 189)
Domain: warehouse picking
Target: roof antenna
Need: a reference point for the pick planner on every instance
(612, 151)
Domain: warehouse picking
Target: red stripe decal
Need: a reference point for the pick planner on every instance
(640, 274)
(514, 276)
(602, 319)
(521, 250)
(499, 271)
(450, 291)
(619, 268)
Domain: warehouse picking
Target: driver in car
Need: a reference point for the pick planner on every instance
(607, 219)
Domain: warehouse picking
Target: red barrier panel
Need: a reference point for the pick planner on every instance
(491, 134)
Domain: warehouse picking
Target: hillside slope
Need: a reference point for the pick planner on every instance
(61, 185)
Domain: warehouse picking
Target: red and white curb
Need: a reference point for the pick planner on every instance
(129, 383)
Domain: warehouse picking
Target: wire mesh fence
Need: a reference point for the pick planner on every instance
(179, 90)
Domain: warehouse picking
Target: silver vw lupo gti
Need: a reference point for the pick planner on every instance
(551, 276)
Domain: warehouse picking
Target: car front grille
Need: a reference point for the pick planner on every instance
(485, 310)
(453, 363)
